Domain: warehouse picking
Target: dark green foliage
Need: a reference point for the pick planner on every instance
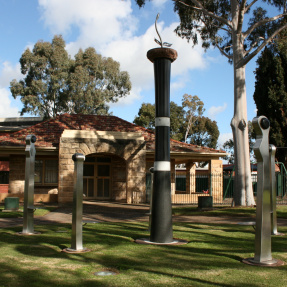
(270, 94)
(203, 131)
(146, 118)
(46, 71)
(54, 83)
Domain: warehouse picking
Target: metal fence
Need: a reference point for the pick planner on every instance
(220, 187)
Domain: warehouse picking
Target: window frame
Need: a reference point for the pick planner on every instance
(43, 171)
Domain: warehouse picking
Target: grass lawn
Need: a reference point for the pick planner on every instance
(212, 257)
(226, 211)
(41, 211)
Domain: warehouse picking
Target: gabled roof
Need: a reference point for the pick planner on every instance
(48, 133)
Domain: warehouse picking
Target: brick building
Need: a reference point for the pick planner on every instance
(118, 156)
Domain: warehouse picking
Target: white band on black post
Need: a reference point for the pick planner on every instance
(162, 166)
(162, 122)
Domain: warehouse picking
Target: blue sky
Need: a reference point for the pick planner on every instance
(119, 29)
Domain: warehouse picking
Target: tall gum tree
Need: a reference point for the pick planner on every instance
(224, 25)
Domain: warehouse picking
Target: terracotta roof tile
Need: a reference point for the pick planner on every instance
(48, 133)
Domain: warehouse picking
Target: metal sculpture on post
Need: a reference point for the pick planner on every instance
(161, 217)
(263, 256)
(161, 212)
(77, 221)
(28, 209)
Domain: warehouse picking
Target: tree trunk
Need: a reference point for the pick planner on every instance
(243, 192)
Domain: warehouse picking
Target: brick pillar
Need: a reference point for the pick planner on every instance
(136, 178)
(172, 174)
(216, 172)
(190, 177)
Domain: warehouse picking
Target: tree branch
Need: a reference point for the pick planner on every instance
(199, 6)
(261, 23)
(241, 15)
(252, 46)
(255, 52)
(223, 52)
(250, 5)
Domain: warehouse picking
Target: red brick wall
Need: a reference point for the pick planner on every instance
(4, 188)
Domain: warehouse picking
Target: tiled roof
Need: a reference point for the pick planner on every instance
(48, 133)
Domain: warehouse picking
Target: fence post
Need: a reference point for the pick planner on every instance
(210, 189)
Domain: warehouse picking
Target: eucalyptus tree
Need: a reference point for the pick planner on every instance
(198, 131)
(94, 81)
(46, 70)
(240, 29)
(54, 83)
(146, 119)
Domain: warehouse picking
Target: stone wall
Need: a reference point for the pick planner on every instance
(17, 174)
(216, 170)
(119, 179)
(17, 178)
(130, 147)
(190, 177)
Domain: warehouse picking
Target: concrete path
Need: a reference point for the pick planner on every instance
(119, 212)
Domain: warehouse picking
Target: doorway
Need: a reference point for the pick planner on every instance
(97, 177)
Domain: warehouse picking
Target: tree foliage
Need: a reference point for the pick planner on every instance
(270, 93)
(54, 83)
(202, 131)
(194, 109)
(146, 119)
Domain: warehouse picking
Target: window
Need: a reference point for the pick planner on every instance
(46, 171)
(4, 177)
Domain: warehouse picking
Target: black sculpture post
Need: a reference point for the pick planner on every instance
(161, 217)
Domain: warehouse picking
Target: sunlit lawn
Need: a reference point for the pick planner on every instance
(226, 211)
(40, 211)
(212, 257)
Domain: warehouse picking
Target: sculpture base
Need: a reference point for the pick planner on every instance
(147, 241)
(29, 233)
(70, 250)
(268, 263)
(278, 234)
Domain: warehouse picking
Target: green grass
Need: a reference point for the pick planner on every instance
(41, 211)
(226, 211)
(212, 257)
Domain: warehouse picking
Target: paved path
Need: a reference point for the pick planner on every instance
(118, 212)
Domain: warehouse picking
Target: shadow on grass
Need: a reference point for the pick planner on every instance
(212, 248)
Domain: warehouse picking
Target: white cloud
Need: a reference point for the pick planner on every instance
(5, 108)
(110, 27)
(133, 96)
(223, 138)
(214, 111)
(131, 53)
(8, 73)
(98, 21)
(159, 3)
